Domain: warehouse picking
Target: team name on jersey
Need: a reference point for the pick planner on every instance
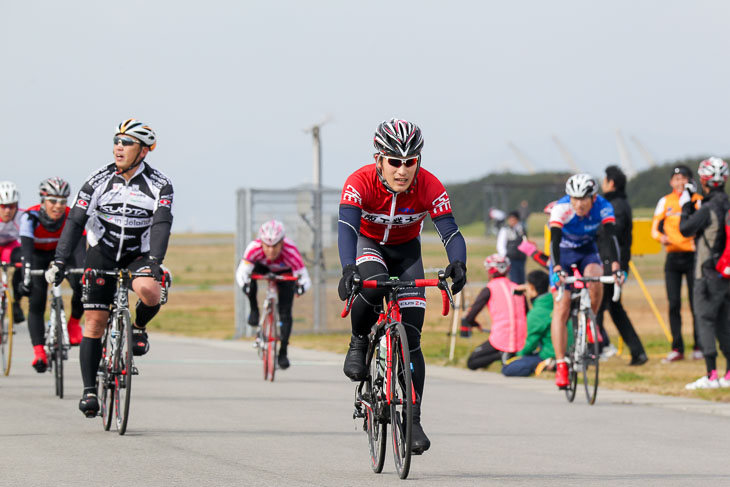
(385, 219)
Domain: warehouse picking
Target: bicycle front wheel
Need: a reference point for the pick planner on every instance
(401, 398)
(6, 333)
(572, 367)
(123, 371)
(268, 343)
(57, 354)
(375, 424)
(591, 357)
(105, 383)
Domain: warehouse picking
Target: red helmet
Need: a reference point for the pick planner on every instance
(495, 264)
(713, 172)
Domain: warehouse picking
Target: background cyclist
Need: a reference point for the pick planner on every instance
(128, 207)
(9, 239)
(40, 230)
(382, 209)
(574, 223)
(273, 252)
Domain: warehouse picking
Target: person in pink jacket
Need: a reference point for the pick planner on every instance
(507, 310)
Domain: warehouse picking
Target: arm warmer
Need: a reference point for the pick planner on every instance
(693, 222)
(26, 249)
(348, 229)
(73, 230)
(451, 237)
(159, 238)
(556, 235)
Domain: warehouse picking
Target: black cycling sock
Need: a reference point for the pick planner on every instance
(710, 363)
(89, 356)
(145, 314)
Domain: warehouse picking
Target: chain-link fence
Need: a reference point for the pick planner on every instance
(318, 310)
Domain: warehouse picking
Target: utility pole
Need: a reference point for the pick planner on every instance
(526, 162)
(319, 281)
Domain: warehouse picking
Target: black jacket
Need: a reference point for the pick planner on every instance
(624, 227)
(708, 226)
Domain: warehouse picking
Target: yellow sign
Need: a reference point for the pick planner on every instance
(641, 241)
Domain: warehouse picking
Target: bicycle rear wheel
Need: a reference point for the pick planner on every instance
(123, 371)
(57, 354)
(572, 367)
(591, 358)
(401, 399)
(375, 422)
(105, 384)
(6, 333)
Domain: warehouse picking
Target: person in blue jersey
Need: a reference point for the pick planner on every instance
(574, 223)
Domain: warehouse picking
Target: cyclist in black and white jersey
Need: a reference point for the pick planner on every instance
(126, 207)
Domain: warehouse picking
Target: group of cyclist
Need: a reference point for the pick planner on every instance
(120, 218)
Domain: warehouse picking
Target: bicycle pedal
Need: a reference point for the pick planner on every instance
(135, 371)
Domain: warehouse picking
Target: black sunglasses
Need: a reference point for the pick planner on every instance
(126, 141)
(398, 162)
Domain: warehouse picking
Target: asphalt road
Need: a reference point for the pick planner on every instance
(202, 415)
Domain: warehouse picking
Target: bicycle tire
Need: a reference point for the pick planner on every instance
(273, 346)
(57, 354)
(401, 400)
(375, 425)
(104, 383)
(6, 334)
(591, 359)
(123, 371)
(572, 371)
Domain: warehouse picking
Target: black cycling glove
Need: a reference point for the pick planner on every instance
(345, 288)
(457, 272)
(155, 268)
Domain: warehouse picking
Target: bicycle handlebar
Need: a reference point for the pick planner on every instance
(42, 272)
(601, 279)
(274, 277)
(446, 297)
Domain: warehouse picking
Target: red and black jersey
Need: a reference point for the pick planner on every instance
(31, 227)
(394, 218)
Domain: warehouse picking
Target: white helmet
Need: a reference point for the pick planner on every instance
(139, 130)
(713, 172)
(271, 232)
(581, 185)
(8, 193)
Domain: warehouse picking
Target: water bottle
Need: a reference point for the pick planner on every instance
(382, 352)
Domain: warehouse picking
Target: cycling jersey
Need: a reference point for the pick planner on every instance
(10, 231)
(288, 260)
(31, 227)
(394, 218)
(579, 231)
(367, 208)
(123, 218)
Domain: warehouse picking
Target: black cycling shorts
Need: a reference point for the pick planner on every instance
(102, 288)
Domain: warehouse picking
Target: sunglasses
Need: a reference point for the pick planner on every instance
(10, 206)
(56, 201)
(398, 162)
(126, 141)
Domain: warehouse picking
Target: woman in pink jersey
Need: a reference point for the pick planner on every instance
(273, 252)
(9, 239)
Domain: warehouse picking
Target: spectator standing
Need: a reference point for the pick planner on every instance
(680, 259)
(614, 189)
(508, 239)
(707, 225)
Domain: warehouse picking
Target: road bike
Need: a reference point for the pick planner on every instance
(386, 395)
(583, 354)
(56, 336)
(6, 318)
(116, 368)
(267, 341)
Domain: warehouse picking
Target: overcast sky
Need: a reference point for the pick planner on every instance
(229, 87)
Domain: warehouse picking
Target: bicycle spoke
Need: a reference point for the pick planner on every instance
(375, 424)
(123, 371)
(591, 359)
(103, 384)
(401, 400)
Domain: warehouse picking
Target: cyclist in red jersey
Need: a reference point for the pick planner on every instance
(382, 209)
(10, 239)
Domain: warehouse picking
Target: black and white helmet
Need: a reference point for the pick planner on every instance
(398, 138)
(713, 172)
(139, 130)
(581, 185)
(54, 187)
(8, 193)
